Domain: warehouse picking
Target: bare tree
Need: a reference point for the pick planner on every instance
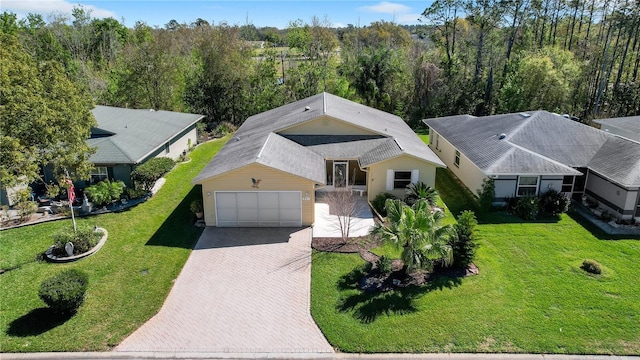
(343, 204)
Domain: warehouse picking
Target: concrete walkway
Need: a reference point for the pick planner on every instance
(326, 222)
(323, 356)
(241, 291)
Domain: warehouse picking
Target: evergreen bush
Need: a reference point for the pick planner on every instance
(146, 174)
(64, 292)
(379, 201)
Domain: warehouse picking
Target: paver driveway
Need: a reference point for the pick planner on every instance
(241, 290)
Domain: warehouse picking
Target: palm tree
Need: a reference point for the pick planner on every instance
(417, 231)
(420, 190)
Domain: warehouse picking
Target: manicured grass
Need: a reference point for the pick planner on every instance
(530, 296)
(129, 278)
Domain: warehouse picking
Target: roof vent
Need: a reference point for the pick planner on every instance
(502, 136)
(151, 110)
(307, 108)
(237, 138)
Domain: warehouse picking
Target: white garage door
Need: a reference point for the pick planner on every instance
(258, 208)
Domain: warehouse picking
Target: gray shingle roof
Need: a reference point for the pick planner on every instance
(338, 146)
(136, 133)
(252, 137)
(534, 143)
(618, 160)
(628, 127)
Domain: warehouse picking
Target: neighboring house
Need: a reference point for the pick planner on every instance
(267, 174)
(628, 127)
(531, 152)
(126, 138)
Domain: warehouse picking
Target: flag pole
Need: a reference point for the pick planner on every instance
(71, 198)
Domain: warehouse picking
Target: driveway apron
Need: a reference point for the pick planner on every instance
(241, 290)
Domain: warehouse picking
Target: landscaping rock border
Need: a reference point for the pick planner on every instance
(52, 258)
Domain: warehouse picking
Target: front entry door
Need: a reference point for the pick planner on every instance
(340, 173)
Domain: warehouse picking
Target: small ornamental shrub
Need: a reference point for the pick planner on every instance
(146, 174)
(463, 240)
(591, 266)
(553, 203)
(131, 193)
(224, 128)
(64, 292)
(527, 207)
(384, 265)
(83, 240)
(379, 201)
(486, 194)
(105, 192)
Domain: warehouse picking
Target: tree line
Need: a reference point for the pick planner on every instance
(579, 57)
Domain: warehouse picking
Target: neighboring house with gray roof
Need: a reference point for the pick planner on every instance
(628, 127)
(268, 173)
(531, 152)
(127, 138)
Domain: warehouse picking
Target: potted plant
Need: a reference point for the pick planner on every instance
(196, 208)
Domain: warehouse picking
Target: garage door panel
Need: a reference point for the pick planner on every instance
(253, 209)
(289, 200)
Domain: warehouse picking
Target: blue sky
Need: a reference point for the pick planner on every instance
(259, 13)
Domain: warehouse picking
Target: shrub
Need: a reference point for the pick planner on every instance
(64, 292)
(224, 128)
(24, 204)
(384, 265)
(591, 266)
(487, 193)
(463, 240)
(379, 201)
(146, 174)
(105, 192)
(132, 193)
(196, 206)
(527, 207)
(83, 240)
(553, 203)
(420, 190)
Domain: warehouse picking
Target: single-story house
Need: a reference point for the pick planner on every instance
(127, 138)
(268, 173)
(529, 153)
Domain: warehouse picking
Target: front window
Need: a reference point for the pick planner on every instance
(456, 161)
(527, 185)
(98, 174)
(401, 179)
(567, 184)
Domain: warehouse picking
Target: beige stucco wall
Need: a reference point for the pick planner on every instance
(618, 196)
(177, 146)
(271, 180)
(326, 125)
(377, 175)
(470, 175)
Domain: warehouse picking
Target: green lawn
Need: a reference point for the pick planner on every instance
(129, 278)
(530, 295)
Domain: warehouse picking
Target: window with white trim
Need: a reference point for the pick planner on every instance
(400, 179)
(456, 161)
(527, 185)
(98, 174)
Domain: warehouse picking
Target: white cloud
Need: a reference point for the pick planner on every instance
(386, 7)
(408, 19)
(48, 7)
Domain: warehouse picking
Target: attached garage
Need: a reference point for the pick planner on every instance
(258, 208)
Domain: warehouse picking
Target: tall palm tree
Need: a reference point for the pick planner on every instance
(417, 231)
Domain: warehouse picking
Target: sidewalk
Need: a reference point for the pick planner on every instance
(272, 356)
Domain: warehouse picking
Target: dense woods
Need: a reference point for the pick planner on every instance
(577, 57)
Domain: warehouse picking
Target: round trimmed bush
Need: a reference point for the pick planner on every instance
(591, 266)
(379, 201)
(64, 292)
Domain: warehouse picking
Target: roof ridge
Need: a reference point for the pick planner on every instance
(504, 156)
(264, 143)
(538, 155)
(527, 120)
(324, 102)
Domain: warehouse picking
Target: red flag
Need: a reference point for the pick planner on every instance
(71, 192)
